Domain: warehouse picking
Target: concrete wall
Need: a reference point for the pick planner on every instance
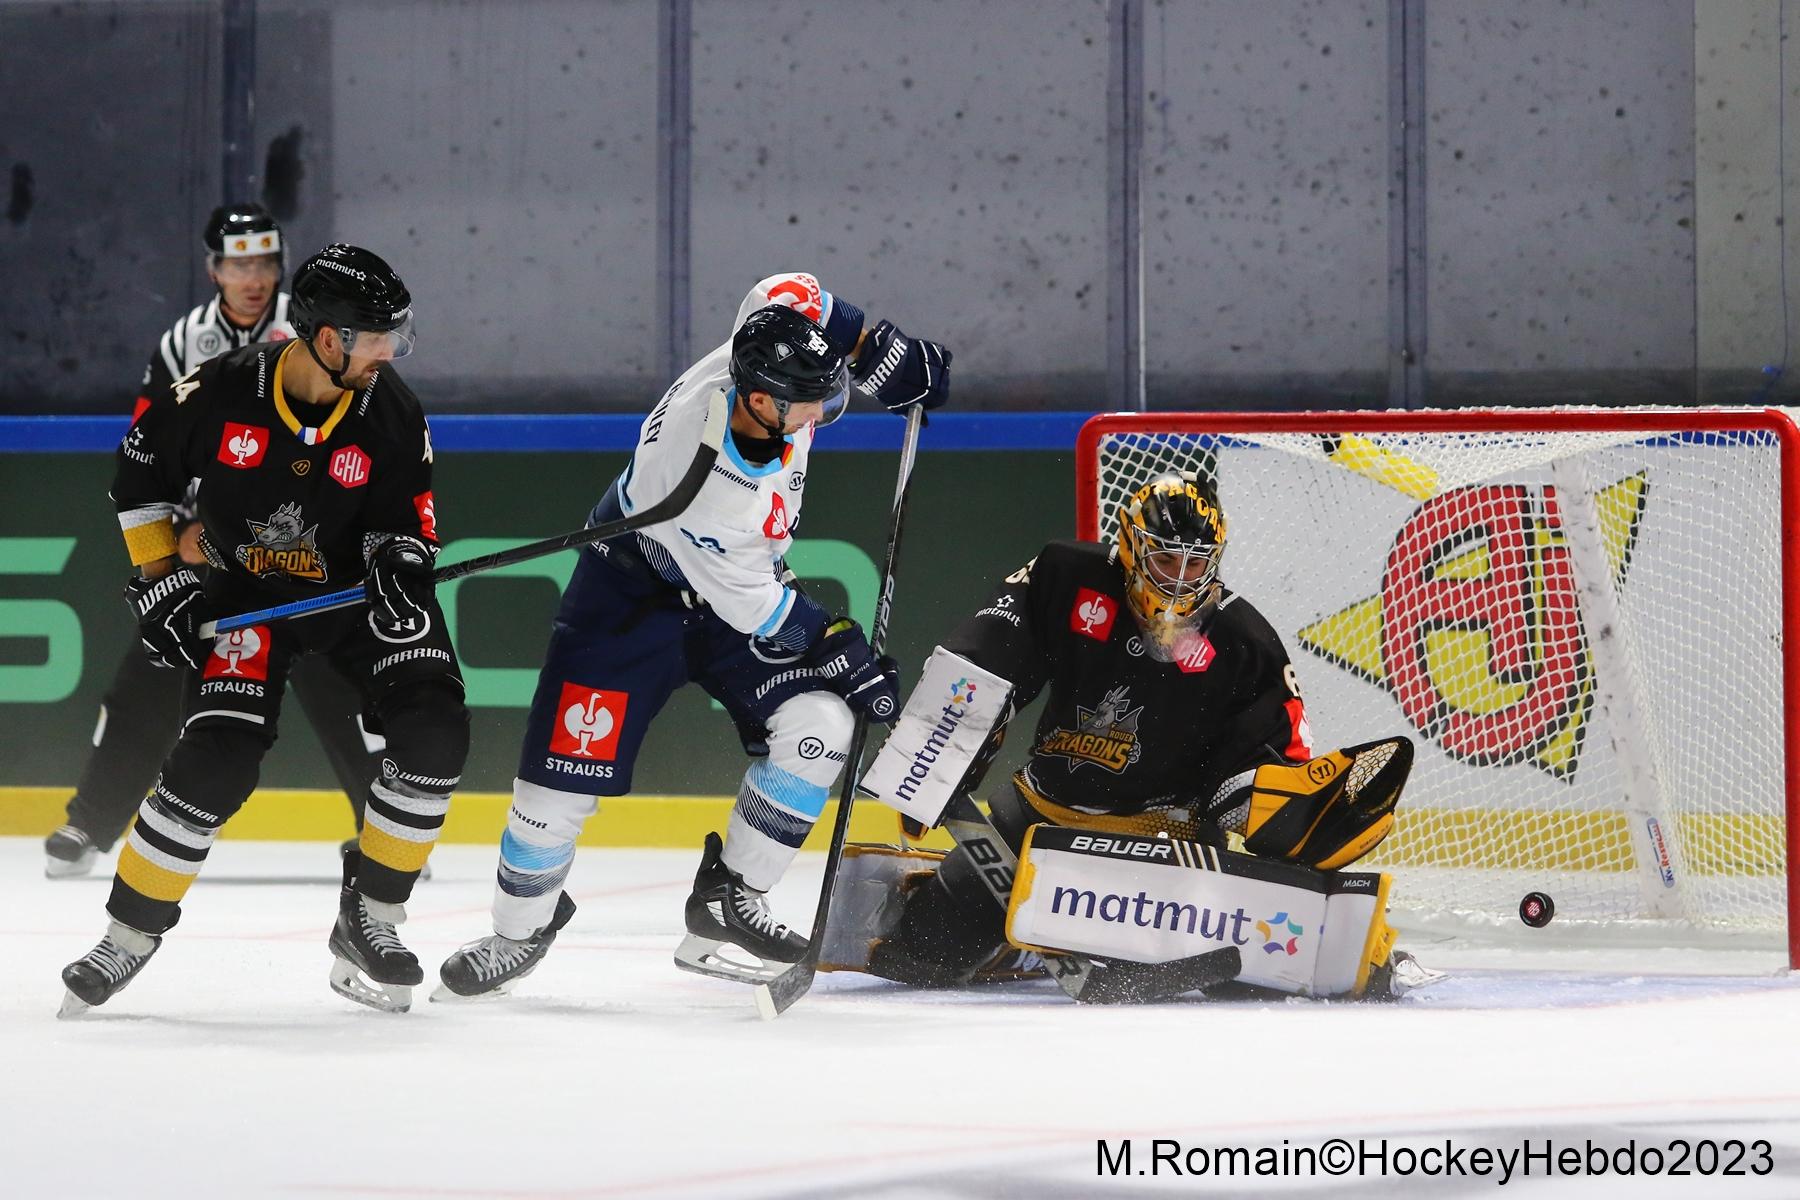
(1600, 210)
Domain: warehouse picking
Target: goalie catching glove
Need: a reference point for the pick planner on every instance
(1325, 813)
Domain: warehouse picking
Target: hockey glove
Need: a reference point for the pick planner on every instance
(168, 612)
(869, 685)
(399, 588)
(896, 371)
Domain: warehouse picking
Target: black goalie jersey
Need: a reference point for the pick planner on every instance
(1121, 732)
(288, 493)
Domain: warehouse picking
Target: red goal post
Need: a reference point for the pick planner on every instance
(1585, 618)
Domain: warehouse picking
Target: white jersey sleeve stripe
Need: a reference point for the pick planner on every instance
(779, 615)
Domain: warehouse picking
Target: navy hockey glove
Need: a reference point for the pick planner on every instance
(399, 588)
(896, 371)
(168, 612)
(849, 667)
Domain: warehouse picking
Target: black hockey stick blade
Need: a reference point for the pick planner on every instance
(712, 437)
(1116, 982)
(778, 995)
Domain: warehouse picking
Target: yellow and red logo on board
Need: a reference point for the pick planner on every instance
(1477, 630)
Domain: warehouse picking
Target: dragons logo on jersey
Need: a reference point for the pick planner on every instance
(283, 545)
(1104, 736)
(1477, 630)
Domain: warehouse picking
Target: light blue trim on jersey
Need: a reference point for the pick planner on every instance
(786, 788)
(779, 615)
(625, 504)
(737, 460)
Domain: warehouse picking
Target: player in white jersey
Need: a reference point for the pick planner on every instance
(141, 711)
(706, 598)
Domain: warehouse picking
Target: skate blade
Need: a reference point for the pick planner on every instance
(72, 1006)
(442, 993)
(1410, 975)
(703, 956)
(349, 982)
(56, 868)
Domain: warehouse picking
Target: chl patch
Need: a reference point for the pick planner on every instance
(1092, 614)
(350, 466)
(240, 654)
(1196, 655)
(243, 446)
(588, 721)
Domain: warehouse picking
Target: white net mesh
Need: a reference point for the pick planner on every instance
(1580, 630)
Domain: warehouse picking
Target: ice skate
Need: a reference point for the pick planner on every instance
(69, 854)
(372, 967)
(490, 966)
(723, 914)
(103, 972)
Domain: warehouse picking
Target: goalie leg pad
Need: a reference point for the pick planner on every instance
(949, 928)
(1326, 813)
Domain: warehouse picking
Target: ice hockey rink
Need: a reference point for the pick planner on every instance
(230, 1069)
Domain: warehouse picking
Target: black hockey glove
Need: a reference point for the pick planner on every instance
(896, 371)
(399, 588)
(849, 667)
(168, 612)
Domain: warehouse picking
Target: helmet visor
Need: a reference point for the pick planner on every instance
(798, 414)
(381, 344)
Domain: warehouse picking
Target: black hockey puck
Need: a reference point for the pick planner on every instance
(1536, 909)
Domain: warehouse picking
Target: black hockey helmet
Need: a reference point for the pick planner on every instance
(355, 292)
(786, 354)
(241, 231)
(1171, 540)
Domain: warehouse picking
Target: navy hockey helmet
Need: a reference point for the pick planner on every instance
(1171, 541)
(240, 231)
(786, 354)
(356, 293)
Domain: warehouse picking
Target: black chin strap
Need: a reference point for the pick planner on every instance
(759, 450)
(337, 376)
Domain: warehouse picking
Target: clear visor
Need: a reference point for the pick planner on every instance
(819, 413)
(381, 344)
(247, 270)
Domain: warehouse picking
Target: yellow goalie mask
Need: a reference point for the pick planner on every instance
(1171, 538)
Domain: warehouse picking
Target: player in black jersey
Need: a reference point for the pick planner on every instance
(141, 710)
(314, 463)
(1165, 692)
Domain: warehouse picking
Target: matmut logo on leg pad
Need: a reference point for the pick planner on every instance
(588, 722)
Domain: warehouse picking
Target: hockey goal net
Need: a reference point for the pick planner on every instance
(1580, 616)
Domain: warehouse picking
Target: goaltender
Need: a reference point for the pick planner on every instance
(1173, 719)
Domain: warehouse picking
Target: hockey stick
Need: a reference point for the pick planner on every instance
(712, 437)
(778, 994)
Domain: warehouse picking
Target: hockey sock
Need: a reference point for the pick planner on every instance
(536, 852)
(775, 810)
(163, 854)
(401, 822)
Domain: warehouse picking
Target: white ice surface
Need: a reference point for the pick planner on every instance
(230, 1069)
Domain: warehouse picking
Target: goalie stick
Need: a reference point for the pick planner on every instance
(712, 436)
(775, 996)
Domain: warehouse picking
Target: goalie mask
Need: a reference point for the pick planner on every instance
(1171, 538)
